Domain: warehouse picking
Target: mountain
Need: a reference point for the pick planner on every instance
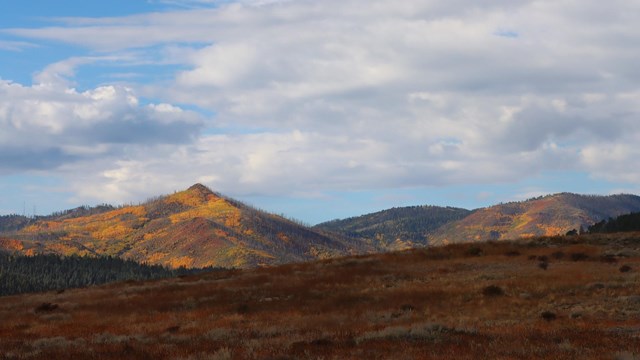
(191, 228)
(200, 228)
(396, 228)
(547, 215)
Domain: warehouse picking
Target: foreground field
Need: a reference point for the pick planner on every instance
(548, 298)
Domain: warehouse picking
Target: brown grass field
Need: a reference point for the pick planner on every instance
(545, 298)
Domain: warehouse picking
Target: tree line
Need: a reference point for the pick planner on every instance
(623, 223)
(24, 274)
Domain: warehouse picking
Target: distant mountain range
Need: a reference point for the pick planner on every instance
(432, 225)
(198, 228)
(546, 215)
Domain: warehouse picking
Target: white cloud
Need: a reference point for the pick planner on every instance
(380, 94)
(47, 125)
(16, 46)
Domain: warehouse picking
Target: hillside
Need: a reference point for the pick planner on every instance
(548, 215)
(398, 228)
(13, 222)
(548, 298)
(192, 228)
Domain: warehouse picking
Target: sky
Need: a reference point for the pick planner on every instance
(317, 109)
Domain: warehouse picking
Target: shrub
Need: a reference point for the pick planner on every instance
(557, 255)
(543, 265)
(513, 253)
(610, 259)
(474, 251)
(548, 315)
(172, 329)
(625, 268)
(242, 309)
(46, 307)
(322, 342)
(579, 256)
(407, 307)
(492, 290)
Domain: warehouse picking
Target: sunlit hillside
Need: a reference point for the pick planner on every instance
(191, 228)
(544, 216)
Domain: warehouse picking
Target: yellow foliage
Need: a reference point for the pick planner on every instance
(191, 198)
(116, 231)
(138, 211)
(63, 249)
(241, 255)
(180, 261)
(216, 208)
(156, 257)
(551, 230)
(103, 226)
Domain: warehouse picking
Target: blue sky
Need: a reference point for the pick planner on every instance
(317, 110)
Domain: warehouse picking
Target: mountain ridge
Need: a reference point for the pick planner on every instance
(541, 216)
(193, 228)
(552, 214)
(398, 227)
(198, 227)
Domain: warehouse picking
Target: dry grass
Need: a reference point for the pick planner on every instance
(418, 304)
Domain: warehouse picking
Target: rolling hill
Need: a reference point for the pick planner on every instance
(433, 303)
(191, 228)
(200, 228)
(407, 227)
(396, 228)
(547, 215)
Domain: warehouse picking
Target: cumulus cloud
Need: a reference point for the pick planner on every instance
(351, 94)
(45, 125)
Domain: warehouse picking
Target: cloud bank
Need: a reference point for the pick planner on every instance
(314, 96)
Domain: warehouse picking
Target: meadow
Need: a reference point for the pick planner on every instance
(574, 297)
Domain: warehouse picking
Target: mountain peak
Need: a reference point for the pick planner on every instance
(200, 189)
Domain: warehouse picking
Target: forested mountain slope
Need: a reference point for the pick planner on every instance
(397, 227)
(547, 215)
(191, 228)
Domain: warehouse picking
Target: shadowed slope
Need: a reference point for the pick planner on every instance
(396, 228)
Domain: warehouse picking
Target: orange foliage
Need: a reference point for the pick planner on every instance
(11, 244)
(217, 208)
(283, 237)
(177, 262)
